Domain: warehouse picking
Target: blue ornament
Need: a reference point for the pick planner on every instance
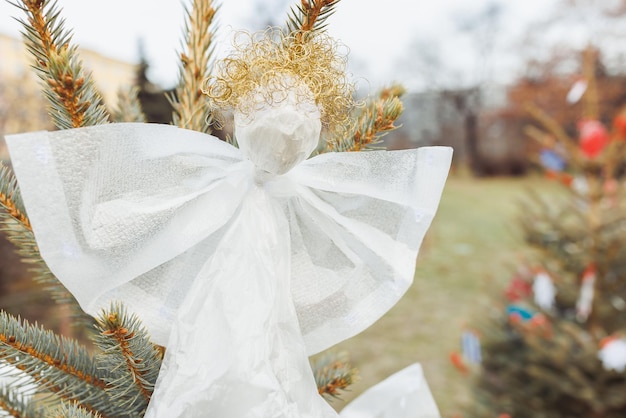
(470, 343)
(551, 160)
(523, 313)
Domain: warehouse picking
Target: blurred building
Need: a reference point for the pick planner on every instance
(109, 74)
(467, 120)
(22, 105)
(486, 125)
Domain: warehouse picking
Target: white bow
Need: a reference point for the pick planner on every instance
(256, 271)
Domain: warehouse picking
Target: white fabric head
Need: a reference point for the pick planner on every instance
(280, 134)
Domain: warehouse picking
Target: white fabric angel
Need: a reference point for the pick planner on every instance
(242, 262)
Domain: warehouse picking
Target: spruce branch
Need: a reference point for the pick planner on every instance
(15, 224)
(333, 374)
(128, 108)
(127, 352)
(191, 110)
(58, 365)
(372, 121)
(10, 197)
(553, 128)
(17, 404)
(73, 102)
(71, 410)
(310, 16)
(70, 90)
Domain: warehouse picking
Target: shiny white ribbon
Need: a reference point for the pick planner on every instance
(240, 273)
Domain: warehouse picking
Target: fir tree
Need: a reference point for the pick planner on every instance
(49, 375)
(557, 350)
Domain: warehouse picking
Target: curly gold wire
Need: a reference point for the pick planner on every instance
(264, 65)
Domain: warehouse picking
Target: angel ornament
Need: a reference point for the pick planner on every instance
(241, 261)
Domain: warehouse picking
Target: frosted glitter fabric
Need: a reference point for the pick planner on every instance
(242, 269)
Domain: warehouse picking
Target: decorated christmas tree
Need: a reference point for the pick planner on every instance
(211, 272)
(554, 345)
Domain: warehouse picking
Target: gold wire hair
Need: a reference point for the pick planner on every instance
(266, 66)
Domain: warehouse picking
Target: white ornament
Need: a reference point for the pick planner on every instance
(613, 354)
(544, 291)
(242, 262)
(577, 91)
(580, 186)
(585, 298)
(402, 395)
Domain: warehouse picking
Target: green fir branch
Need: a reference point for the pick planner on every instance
(17, 404)
(371, 122)
(191, 110)
(71, 410)
(310, 16)
(70, 90)
(11, 199)
(333, 374)
(57, 365)
(128, 107)
(15, 224)
(131, 358)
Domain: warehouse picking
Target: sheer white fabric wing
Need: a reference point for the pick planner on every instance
(356, 228)
(404, 394)
(127, 212)
(131, 212)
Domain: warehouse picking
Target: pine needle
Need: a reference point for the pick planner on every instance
(310, 16)
(128, 108)
(10, 197)
(372, 121)
(15, 224)
(133, 360)
(71, 410)
(73, 102)
(58, 365)
(70, 90)
(16, 403)
(190, 105)
(333, 374)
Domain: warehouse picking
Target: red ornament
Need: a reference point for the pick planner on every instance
(607, 340)
(593, 137)
(538, 320)
(518, 289)
(619, 123)
(457, 361)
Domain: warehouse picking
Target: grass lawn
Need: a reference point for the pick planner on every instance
(468, 254)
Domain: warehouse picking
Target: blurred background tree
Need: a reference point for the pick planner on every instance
(555, 345)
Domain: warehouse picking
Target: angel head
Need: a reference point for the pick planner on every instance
(286, 92)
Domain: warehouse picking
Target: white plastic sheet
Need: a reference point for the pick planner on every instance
(256, 270)
(404, 394)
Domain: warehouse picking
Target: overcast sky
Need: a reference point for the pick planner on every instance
(383, 35)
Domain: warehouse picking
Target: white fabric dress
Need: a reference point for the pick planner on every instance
(241, 261)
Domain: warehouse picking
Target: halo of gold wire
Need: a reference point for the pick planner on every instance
(262, 69)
